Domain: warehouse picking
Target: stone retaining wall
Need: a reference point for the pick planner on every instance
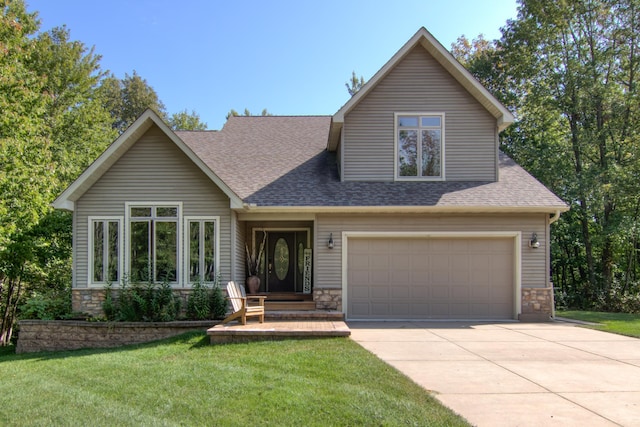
(56, 335)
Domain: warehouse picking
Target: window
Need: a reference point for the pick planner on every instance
(153, 242)
(419, 146)
(104, 249)
(202, 253)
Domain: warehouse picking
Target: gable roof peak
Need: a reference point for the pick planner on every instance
(424, 38)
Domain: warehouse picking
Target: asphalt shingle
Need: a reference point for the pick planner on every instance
(283, 161)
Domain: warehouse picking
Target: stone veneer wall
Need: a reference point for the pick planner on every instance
(57, 335)
(537, 304)
(328, 299)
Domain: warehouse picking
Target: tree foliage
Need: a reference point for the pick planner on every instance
(354, 84)
(247, 113)
(569, 72)
(59, 111)
(128, 98)
(184, 120)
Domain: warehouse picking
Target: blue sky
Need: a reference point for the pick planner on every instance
(291, 57)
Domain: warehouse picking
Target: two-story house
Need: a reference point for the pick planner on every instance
(399, 206)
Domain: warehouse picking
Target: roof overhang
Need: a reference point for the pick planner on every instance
(425, 39)
(119, 147)
(252, 208)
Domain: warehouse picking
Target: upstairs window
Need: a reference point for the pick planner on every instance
(419, 146)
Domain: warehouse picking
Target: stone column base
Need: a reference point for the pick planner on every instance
(537, 305)
(328, 299)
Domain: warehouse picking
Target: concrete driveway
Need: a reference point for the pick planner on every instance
(515, 374)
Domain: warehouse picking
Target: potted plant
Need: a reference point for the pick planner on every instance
(253, 266)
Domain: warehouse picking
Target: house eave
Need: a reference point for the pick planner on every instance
(551, 209)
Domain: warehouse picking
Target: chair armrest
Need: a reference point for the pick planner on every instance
(259, 298)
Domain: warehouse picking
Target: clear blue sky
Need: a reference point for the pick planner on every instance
(291, 57)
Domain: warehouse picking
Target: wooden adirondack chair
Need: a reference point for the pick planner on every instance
(240, 304)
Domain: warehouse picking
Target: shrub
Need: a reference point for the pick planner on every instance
(142, 303)
(206, 302)
(50, 305)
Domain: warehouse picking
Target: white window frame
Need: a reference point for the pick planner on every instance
(90, 225)
(127, 240)
(187, 244)
(396, 171)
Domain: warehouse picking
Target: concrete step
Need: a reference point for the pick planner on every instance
(303, 315)
(289, 305)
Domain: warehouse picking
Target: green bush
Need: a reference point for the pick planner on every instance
(50, 305)
(206, 302)
(142, 303)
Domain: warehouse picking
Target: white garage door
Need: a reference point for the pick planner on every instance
(430, 278)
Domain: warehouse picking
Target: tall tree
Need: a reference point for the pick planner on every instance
(23, 154)
(184, 120)
(128, 98)
(575, 64)
(52, 126)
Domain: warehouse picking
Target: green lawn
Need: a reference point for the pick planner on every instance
(186, 381)
(619, 323)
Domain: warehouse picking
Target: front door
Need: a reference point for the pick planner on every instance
(285, 255)
(281, 258)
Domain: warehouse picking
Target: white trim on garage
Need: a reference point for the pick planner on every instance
(517, 251)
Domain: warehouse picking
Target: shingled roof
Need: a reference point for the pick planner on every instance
(282, 162)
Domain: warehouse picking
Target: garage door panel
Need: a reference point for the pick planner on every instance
(430, 278)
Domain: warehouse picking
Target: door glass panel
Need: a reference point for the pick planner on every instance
(281, 258)
(300, 257)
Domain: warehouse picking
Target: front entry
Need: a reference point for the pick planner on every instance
(284, 256)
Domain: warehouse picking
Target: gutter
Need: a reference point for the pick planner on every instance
(554, 217)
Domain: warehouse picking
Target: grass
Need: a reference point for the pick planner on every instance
(186, 381)
(619, 323)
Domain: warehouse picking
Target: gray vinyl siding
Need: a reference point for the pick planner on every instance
(534, 264)
(419, 84)
(153, 170)
(240, 258)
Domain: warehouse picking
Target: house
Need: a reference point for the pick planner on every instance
(399, 206)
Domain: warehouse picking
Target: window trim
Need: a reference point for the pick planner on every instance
(396, 175)
(104, 218)
(127, 230)
(186, 244)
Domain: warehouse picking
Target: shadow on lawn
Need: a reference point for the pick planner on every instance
(196, 338)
